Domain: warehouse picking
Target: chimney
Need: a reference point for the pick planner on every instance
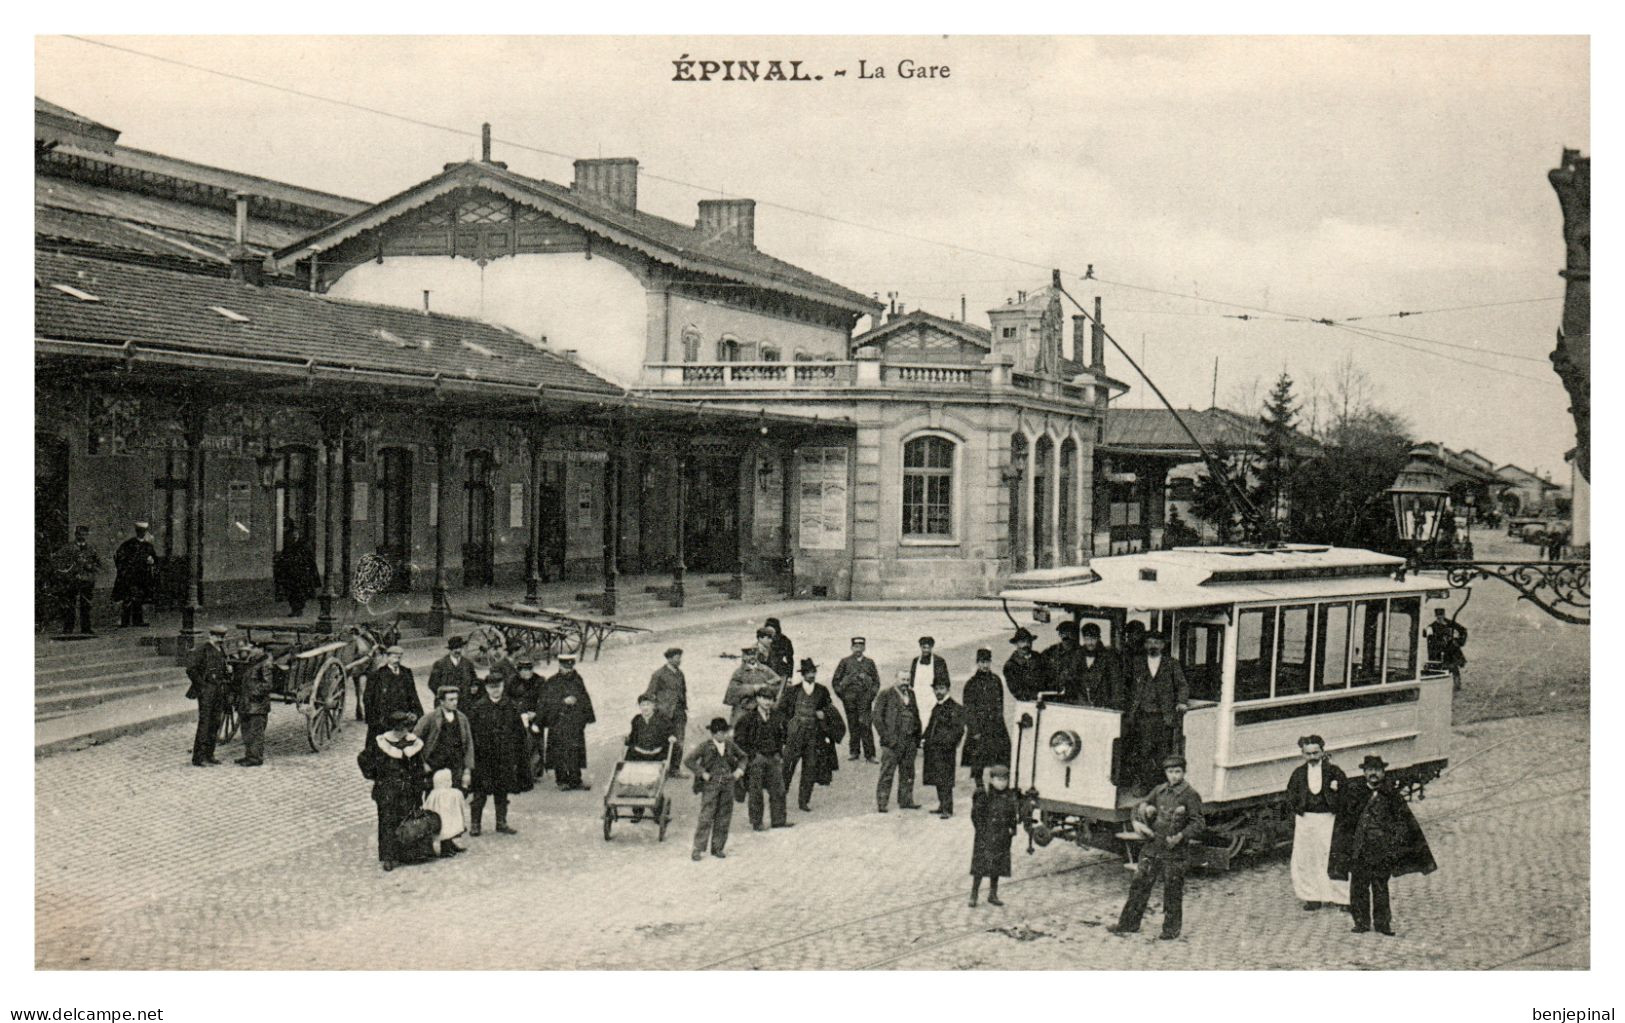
(962, 307)
(1077, 337)
(730, 221)
(245, 265)
(1097, 341)
(613, 180)
(485, 142)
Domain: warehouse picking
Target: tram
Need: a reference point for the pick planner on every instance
(1275, 642)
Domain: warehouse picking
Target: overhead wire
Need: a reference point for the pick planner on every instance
(908, 236)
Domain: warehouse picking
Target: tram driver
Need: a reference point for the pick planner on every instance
(1158, 695)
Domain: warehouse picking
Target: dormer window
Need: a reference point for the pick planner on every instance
(1008, 332)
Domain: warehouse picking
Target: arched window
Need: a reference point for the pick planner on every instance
(770, 353)
(728, 349)
(691, 343)
(928, 488)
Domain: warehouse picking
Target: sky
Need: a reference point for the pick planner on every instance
(1316, 177)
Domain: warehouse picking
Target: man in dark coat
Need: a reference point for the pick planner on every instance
(940, 740)
(501, 767)
(210, 676)
(448, 738)
(455, 669)
(987, 741)
(996, 819)
(669, 688)
(897, 722)
(293, 573)
(257, 683)
(1445, 639)
(390, 688)
(135, 564)
(762, 734)
(76, 566)
(1158, 695)
(1380, 839)
(927, 669)
(781, 653)
(857, 682)
(1174, 809)
(565, 710)
(1060, 659)
(1097, 675)
(806, 707)
(747, 680)
(1024, 672)
(524, 688)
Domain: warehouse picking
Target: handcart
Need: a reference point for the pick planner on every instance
(639, 785)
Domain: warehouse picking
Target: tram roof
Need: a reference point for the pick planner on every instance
(1204, 576)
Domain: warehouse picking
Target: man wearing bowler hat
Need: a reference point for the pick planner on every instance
(857, 682)
(1174, 811)
(717, 765)
(1024, 672)
(669, 688)
(1097, 677)
(806, 707)
(455, 669)
(1374, 838)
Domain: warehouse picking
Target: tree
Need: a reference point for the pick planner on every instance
(1278, 458)
(1343, 490)
(1212, 501)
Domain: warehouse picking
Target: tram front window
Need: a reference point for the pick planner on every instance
(1367, 634)
(1403, 617)
(1292, 661)
(1201, 654)
(1255, 653)
(1332, 653)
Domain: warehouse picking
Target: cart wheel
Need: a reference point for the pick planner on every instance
(609, 819)
(486, 638)
(228, 723)
(665, 816)
(325, 716)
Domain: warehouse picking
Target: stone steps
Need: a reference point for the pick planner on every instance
(98, 677)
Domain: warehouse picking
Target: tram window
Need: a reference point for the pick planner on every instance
(1365, 659)
(1297, 644)
(1403, 616)
(1332, 656)
(1255, 651)
(1201, 654)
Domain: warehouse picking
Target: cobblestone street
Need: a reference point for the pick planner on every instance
(146, 863)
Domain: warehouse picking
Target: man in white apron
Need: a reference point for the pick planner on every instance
(1312, 794)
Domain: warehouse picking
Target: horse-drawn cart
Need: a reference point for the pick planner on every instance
(310, 667)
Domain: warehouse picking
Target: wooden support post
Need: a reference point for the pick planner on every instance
(439, 606)
(533, 566)
(196, 419)
(612, 524)
(333, 443)
(789, 542)
(679, 516)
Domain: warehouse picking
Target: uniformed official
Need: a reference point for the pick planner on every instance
(1158, 695)
(857, 682)
(987, 740)
(1097, 675)
(1174, 810)
(208, 671)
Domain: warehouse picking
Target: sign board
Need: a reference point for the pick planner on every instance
(516, 506)
(822, 510)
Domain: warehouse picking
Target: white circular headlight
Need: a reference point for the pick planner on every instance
(1065, 745)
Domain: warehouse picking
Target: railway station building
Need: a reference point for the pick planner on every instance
(493, 379)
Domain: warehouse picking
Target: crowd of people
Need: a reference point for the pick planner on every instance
(494, 731)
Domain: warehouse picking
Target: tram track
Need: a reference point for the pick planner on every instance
(1034, 922)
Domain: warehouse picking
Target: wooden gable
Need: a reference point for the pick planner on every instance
(924, 342)
(474, 223)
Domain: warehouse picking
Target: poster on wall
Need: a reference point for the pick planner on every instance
(823, 498)
(239, 508)
(516, 505)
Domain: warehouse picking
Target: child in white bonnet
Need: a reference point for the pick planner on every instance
(448, 803)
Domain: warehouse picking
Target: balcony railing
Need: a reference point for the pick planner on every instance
(861, 373)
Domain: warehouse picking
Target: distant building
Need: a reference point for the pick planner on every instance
(1526, 494)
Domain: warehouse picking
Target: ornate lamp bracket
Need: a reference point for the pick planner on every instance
(1562, 589)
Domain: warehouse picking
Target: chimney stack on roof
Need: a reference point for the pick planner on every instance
(1078, 322)
(613, 180)
(1097, 341)
(245, 265)
(730, 221)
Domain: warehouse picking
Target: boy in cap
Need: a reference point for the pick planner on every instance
(565, 710)
(994, 816)
(940, 741)
(1175, 812)
(1376, 837)
(805, 708)
(669, 688)
(716, 765)
(857, 682)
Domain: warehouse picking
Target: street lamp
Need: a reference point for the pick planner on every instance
(1420, 502)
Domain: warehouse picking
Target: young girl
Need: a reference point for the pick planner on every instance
(993, 815)
(448, 803)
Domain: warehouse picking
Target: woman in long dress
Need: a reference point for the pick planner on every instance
(1312, 795)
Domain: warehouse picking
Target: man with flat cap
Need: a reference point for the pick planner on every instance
(857, 682)
(669, 688)
(747, 680)
(391, 689)
(1097, 675)
(455, 669)
(210, 675)
(1375, 837)
(1024, 672)
(565, 710)
(926, 669)
(762, 734)
(76, 566)
(1174, 812)
(807, 707)
(1158, 695)
(987, 740)
(448, 738)
(135, 565)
